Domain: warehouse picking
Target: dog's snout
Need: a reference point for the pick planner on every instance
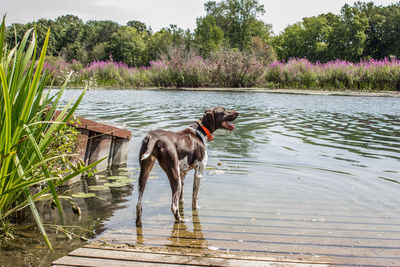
(234, 113)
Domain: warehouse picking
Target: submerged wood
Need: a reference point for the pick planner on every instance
(98, 140)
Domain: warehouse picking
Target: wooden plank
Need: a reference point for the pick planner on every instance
(98, 262)
(85, 257)
(267, 246)
(298, 223)
(337, 255)
(253, 236)
(304, 215)
(205, 253)
(82, 123)
(271, 231)
(229, 242)
(102, 128)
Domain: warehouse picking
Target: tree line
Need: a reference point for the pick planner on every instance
(361, 31)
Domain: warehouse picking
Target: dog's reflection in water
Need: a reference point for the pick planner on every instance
(180, 235)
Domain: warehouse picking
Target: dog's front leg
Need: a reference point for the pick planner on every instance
(196, 188)
(198, 175)
(181, 197)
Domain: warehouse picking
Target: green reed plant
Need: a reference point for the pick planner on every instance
(27, 127)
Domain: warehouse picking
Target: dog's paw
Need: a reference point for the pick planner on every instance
(180, 220)
(196, 207)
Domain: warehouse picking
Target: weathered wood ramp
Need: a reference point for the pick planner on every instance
(98, 140)
(109, 255)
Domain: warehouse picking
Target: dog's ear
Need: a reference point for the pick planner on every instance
(208, 120)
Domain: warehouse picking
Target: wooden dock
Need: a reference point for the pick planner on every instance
(100, 254)
(97, 140)
(233, 232)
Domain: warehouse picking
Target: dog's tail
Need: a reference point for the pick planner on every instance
(150, 145)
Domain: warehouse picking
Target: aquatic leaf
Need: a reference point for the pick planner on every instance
(97, 187)
(116, 184)
(116, 177)
(82, 195)
(127, 169)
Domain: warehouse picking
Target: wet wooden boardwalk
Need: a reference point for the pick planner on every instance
(100, 254)
(278, 233)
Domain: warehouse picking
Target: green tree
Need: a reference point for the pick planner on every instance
(290, 42)
(128, 46)
(96, 38)
(68, 31)
(349, 34)
(392, 30)
(159, 43)
(383, 32)
(316, 37)
(41, 26)
(208, 36)
(166, 39)
(15, 32)
(237, 19)
(139, 26)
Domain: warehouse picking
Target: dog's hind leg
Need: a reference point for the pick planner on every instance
(145, 168)
(176, 187)
(170, 165)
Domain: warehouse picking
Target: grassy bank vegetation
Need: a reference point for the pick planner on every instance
(34, 148)
(232, 69)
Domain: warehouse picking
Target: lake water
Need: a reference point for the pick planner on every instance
(301, 176)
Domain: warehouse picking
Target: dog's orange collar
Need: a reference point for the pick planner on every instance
(209, 136)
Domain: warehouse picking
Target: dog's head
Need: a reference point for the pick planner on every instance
(219, 118)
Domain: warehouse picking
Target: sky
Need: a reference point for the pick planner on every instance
(162, 13)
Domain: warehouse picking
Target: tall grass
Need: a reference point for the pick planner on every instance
(231, 68)
(338, 74)
(27, 127)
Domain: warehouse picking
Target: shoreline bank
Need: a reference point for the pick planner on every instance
(264, 90)
(295, 91)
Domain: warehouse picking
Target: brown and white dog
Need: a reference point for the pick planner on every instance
(178, 153)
